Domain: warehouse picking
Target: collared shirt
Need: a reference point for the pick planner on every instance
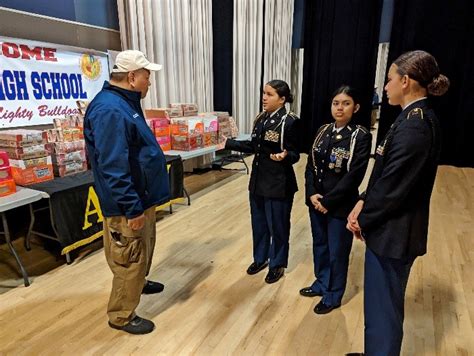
(274, 112)
(414, 101)
(338, 129)
(271, 114)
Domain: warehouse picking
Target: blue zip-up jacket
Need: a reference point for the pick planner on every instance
(129, 166)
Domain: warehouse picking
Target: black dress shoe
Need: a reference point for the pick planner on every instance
(308, 292)
(151, 287)
(256, 267)
(136, 326)
(355, 354)
(322, 308)
(274, 274)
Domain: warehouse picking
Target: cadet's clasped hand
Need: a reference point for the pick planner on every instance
(279, 156)
(352, 223)
(317, 204)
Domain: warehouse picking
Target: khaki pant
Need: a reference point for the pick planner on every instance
(129, 254)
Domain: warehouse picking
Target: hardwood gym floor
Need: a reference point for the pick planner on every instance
(211, 306)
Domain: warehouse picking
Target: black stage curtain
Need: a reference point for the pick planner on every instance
(446, 30)
(298, 24)
(222, 33)
(341, 43)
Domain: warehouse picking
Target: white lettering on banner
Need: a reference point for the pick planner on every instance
(39, 82)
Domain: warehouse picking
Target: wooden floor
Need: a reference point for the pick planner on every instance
(210, 306)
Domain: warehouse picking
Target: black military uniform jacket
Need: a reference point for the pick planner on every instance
(270, 178)
(336, 166)
(394, 219)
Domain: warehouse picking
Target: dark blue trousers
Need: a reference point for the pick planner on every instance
(385, 282)
(332, 244)
(271, 229)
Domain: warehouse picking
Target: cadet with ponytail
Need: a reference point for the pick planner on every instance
(272, 181)
(392, 215)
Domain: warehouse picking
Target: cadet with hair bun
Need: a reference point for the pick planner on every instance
(272, 181)
(336, 166)
(392, 216)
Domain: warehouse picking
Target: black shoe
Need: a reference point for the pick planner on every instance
(136, 326)
(274, 274)
(256, 267)
(322, 308)
(355, 354)
(151, 287)
(308, 292)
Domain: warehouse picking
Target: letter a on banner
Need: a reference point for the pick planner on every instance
(92, 198)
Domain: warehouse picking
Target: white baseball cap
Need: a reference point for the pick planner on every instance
(130, 60)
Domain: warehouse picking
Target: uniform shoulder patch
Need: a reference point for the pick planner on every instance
(362, 128)
(293, 115)
(259, 115)
(324, 127)
(415, 113)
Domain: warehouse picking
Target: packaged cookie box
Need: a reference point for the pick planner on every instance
(220, 113)
(72, 134)
(161, 127)
(164, 142)
(162, 131)
(7, 187)
(209, 139)
(5, 174)
(82, 106)
(68, 168)
(161, 113)
(76, 156)
(55, 135)
(186, 143)
(4, 159)
(160, 122)
(67, 147)
(210, 123)
(189, 109)
(22, 137)
(69, 121)
(227, 126)
(187, 126)
(28, 152)
(164, 113)
(31, 171)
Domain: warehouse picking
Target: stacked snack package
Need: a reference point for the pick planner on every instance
(174, 111)
(67, 140)
(234, 130)
(187, 109)
(160, 125)
(7, 184)
(210, 125)
(29, 154)
(224, 124)
(82, 106)
(187, 133)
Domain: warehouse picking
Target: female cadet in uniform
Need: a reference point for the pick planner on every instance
(272, 181)
(392, 216)
(336, 166)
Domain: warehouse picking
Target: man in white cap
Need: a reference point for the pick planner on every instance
(131, 179)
